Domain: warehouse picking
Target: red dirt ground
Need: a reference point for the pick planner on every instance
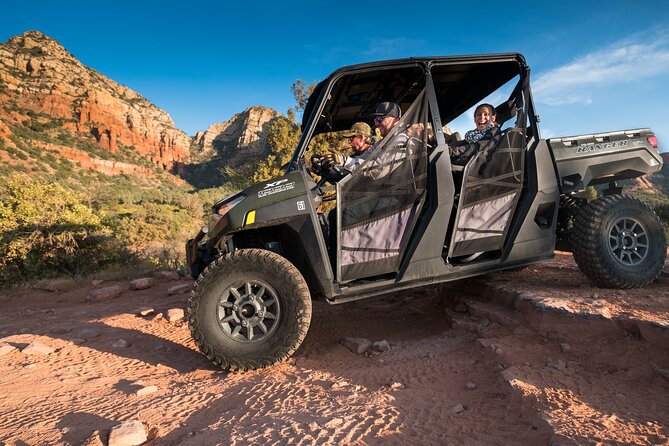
(466, 369)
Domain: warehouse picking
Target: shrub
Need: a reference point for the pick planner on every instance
(46, 231)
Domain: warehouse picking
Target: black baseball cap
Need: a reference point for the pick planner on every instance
(388, 109)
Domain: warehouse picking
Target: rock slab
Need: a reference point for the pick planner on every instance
(143, 283)
(102, 294)
(457, 408)
(381, 346)
(174, 314)
(6, 348)
(121, 343)
(179, 289)
(166, 275)
(356, 345)
(145, 311)
(146, 390)
(130, 433)
(37, 348)
(57, 285)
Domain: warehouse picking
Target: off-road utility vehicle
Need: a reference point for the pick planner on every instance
(266, 253)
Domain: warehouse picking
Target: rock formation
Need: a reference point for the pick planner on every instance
(238, 140)
(37, 74)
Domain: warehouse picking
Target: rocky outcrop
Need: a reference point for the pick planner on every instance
(241, 138)
(37, 74)
(86, 161)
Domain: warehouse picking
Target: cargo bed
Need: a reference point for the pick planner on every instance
(600, 158)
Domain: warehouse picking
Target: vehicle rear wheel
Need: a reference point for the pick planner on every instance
(249, 310)
(619, 242)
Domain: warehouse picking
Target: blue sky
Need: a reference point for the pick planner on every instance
(596, 66)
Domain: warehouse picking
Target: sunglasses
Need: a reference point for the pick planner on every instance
(378, 119)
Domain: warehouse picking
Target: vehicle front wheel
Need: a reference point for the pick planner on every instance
(249, 310)
(619, 242)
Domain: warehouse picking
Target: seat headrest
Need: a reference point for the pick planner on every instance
(505, 111)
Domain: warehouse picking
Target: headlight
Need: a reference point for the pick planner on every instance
(224, 206)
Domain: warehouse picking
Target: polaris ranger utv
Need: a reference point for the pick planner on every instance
(266, 253)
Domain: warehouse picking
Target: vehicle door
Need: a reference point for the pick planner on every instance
(491, 187)
(378, 204)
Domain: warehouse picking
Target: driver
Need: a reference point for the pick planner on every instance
(359, 140)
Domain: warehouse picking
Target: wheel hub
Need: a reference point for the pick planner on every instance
(248, 311)
(628, 241)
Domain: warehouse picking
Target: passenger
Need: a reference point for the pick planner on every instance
(335, 167)
(386, 117)
(486, 128)
(485, 118)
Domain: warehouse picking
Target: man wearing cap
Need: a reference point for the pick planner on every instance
(386, 116)
(359, 139)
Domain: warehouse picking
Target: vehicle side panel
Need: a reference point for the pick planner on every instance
(425, 250)
(533, 227)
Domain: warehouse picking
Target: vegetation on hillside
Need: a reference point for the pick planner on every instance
(72, 221)
(47, 230)
(657, 197)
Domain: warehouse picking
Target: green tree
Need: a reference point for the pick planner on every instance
(283, 134)
(301, 92)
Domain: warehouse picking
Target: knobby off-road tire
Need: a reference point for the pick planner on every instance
(249, 310)
(619, 242)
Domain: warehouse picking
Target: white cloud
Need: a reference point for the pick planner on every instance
(626, 61)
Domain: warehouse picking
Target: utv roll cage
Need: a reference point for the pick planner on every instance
(456, 84)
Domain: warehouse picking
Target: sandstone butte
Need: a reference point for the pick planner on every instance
(38, 74)
(244, 136)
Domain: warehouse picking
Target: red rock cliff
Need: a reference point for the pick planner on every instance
(38, 74)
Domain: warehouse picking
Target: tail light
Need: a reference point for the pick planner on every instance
(652, 140)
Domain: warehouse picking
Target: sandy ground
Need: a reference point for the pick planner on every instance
(520, 358)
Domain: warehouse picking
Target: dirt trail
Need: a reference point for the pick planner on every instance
(474, 368)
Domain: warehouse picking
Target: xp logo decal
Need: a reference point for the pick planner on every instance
(275, 187)
(276, 183)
